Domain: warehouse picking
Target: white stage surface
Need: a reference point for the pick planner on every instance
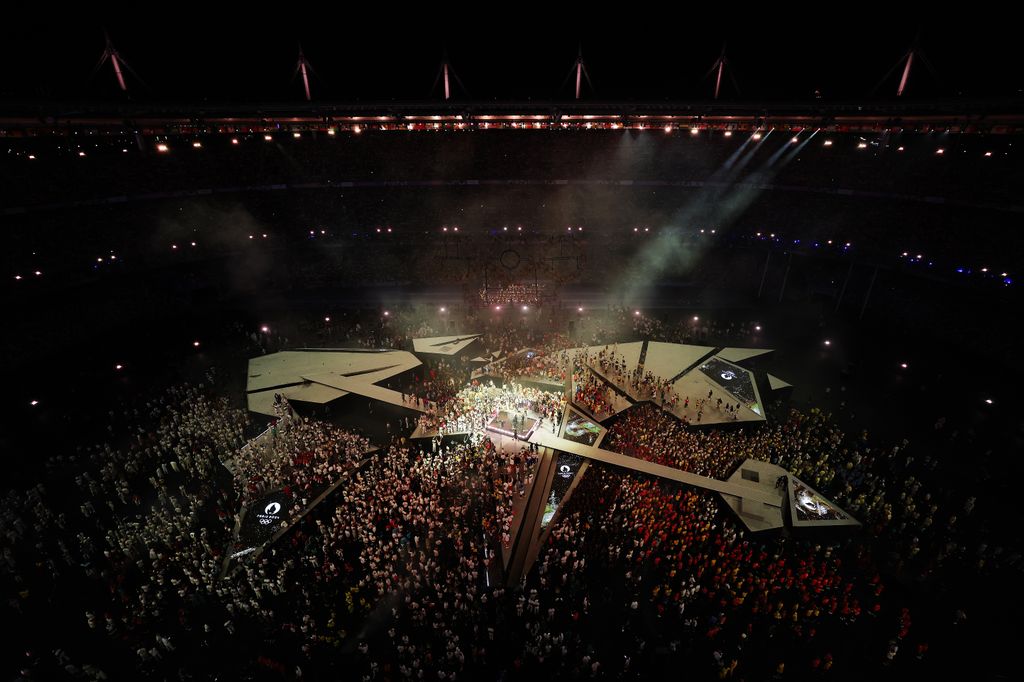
(323, 375)
(667, 360)
(754, 514)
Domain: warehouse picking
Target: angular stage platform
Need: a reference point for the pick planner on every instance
(758, 492)
(699, 376)
(323, 375)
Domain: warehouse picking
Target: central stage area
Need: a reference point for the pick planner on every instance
(507, 424)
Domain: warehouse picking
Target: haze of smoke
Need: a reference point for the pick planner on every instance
(721, 201)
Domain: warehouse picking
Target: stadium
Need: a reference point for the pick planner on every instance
(392, 381)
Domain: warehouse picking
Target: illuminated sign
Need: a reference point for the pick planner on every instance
(271, 514)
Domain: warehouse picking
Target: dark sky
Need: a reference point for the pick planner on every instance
(393, 53)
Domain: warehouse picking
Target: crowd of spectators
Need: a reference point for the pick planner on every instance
(300, 456)
(399, 574)
(648, 433)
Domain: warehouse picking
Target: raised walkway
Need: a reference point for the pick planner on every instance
(546, 439)
(368, 390)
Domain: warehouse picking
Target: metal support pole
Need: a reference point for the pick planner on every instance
(764, 275)
(785, 277)
(868, 294)
(842, 291)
